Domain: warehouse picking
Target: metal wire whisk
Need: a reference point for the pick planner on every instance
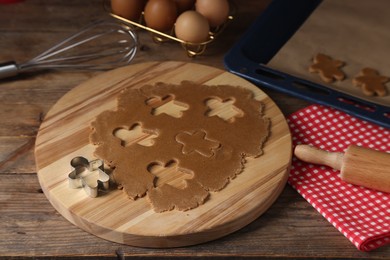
(99, 46)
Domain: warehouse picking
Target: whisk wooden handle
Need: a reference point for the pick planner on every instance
(314, 155)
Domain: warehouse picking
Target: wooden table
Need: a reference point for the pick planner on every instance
(30, 227)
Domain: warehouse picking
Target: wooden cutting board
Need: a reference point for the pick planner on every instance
(64, 133)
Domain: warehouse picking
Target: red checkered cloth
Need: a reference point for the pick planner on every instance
(360, 214)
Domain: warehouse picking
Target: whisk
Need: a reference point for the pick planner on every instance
(101, 45)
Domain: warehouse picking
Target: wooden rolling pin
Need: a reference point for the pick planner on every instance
(359, 165)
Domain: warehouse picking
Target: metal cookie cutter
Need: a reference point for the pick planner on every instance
(89, 175)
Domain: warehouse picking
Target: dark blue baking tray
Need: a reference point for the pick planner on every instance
(271, 30)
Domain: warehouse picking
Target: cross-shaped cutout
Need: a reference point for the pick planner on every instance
(167, 105)
(170, 174)
(135, 135)
(197, 142)
(224, 109)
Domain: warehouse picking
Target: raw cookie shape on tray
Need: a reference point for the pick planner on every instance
(371, 82)
(328, 69)
(203, 142)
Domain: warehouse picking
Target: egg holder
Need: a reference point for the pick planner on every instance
(192, 49)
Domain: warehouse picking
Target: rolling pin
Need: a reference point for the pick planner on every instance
(358, 165)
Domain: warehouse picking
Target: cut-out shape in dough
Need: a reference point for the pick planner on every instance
(134, 134)
(197, 142)
(167, 105)
(224, 109)
(228, 144)
(170, 174)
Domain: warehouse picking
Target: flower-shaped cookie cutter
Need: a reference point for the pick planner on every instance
(89, 175)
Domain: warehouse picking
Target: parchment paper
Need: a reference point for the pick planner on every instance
(354, 31)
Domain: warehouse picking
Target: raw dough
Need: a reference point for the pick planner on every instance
(208, 146)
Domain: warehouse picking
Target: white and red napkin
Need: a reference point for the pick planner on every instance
(360, 214)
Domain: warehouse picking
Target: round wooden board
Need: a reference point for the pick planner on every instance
(64, 135)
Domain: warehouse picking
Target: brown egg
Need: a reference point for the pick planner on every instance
(184, 5)
(216, 11)
(192, 27)
(129, 9)
(160, 14)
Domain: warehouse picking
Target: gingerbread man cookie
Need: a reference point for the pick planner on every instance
(327, 68)
(371, 82)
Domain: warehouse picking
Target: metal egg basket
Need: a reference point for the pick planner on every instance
(192, 49)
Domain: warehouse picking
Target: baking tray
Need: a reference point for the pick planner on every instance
(271, 30)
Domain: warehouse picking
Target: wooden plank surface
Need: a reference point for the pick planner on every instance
(31, 227)
(290, 229)
(64, 135)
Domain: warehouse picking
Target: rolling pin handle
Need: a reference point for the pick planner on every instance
(314, 155)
